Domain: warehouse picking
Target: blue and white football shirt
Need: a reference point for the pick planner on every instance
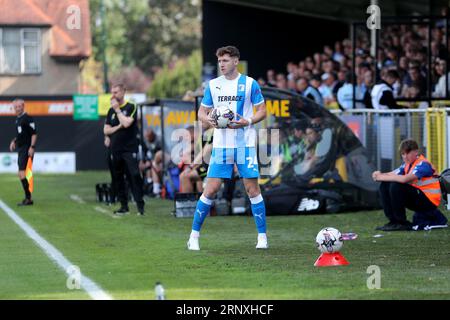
(240, 95)
(422, 169)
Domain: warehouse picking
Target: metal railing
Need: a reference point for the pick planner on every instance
(381, 132)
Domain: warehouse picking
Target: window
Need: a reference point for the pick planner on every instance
(20, 51)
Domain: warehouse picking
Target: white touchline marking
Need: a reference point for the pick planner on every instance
(77, 198)
(102, 210)
(54, 254)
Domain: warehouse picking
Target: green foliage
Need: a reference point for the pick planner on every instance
(91, 77)
(175, 82)
(145, 33)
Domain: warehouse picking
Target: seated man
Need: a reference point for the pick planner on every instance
(192, 177)
(318, 144)
(151, 162)
(413, 185)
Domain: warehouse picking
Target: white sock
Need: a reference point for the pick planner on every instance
(256, 199)
(156, 188)
(195, 234)
(262, 235)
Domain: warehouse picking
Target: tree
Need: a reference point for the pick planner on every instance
(145, 33)
(174, 83)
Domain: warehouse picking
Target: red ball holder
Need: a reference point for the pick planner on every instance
(331, 259)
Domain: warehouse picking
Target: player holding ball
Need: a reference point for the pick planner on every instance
(235, 144)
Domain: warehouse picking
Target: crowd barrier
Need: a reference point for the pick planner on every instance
(381, 132)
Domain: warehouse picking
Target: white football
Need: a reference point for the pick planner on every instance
(329, 240)
(222, 116)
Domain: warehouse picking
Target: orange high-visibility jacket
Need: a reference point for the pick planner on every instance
(429, 185)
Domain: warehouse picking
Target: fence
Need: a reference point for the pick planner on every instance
(381, 131)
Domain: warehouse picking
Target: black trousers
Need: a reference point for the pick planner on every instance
(113, 176)
(126, 164)
(396, 197)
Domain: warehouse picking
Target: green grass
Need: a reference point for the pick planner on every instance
(127, 255)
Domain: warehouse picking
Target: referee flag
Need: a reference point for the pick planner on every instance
(29, 174)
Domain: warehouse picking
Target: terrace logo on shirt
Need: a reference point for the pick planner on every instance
(230, 98)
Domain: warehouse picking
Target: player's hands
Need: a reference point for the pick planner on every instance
(209, 121)
(236, 124)
(115, 104)
(31, 152)
(375, 175)
(12, 146)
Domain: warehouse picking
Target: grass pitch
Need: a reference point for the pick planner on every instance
(127, 255)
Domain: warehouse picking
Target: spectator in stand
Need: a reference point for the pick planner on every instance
(361, 69)
(327, 88)
(439, 89)
(415, 78)
(437, 48)
(309, 91)
(281, 81)
(291, 69)
(328, 66)
(348, 48)
(403, 66)
(292, 85)
(316, 81)
(444, 13)
(413, 93)
(345, 94)
(340, 79)
(328, 51)
(307, 74)
(382, 93)
(381, 58)
(309, 63)
(338, 52)
(367, 85)
(317, 59)
(271, 81)
(341, 75)
(391, 57)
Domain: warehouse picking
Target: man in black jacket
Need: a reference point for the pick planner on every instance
(24, 143)
(121, 127)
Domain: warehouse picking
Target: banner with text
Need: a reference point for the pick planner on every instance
(43, 162)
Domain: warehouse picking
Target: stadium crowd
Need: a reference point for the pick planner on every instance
(326, 77)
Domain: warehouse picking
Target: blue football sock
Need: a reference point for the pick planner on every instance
(259, 213)
(201, 211)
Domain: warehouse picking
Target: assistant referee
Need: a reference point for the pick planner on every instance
(24, 143)
(121, 127)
